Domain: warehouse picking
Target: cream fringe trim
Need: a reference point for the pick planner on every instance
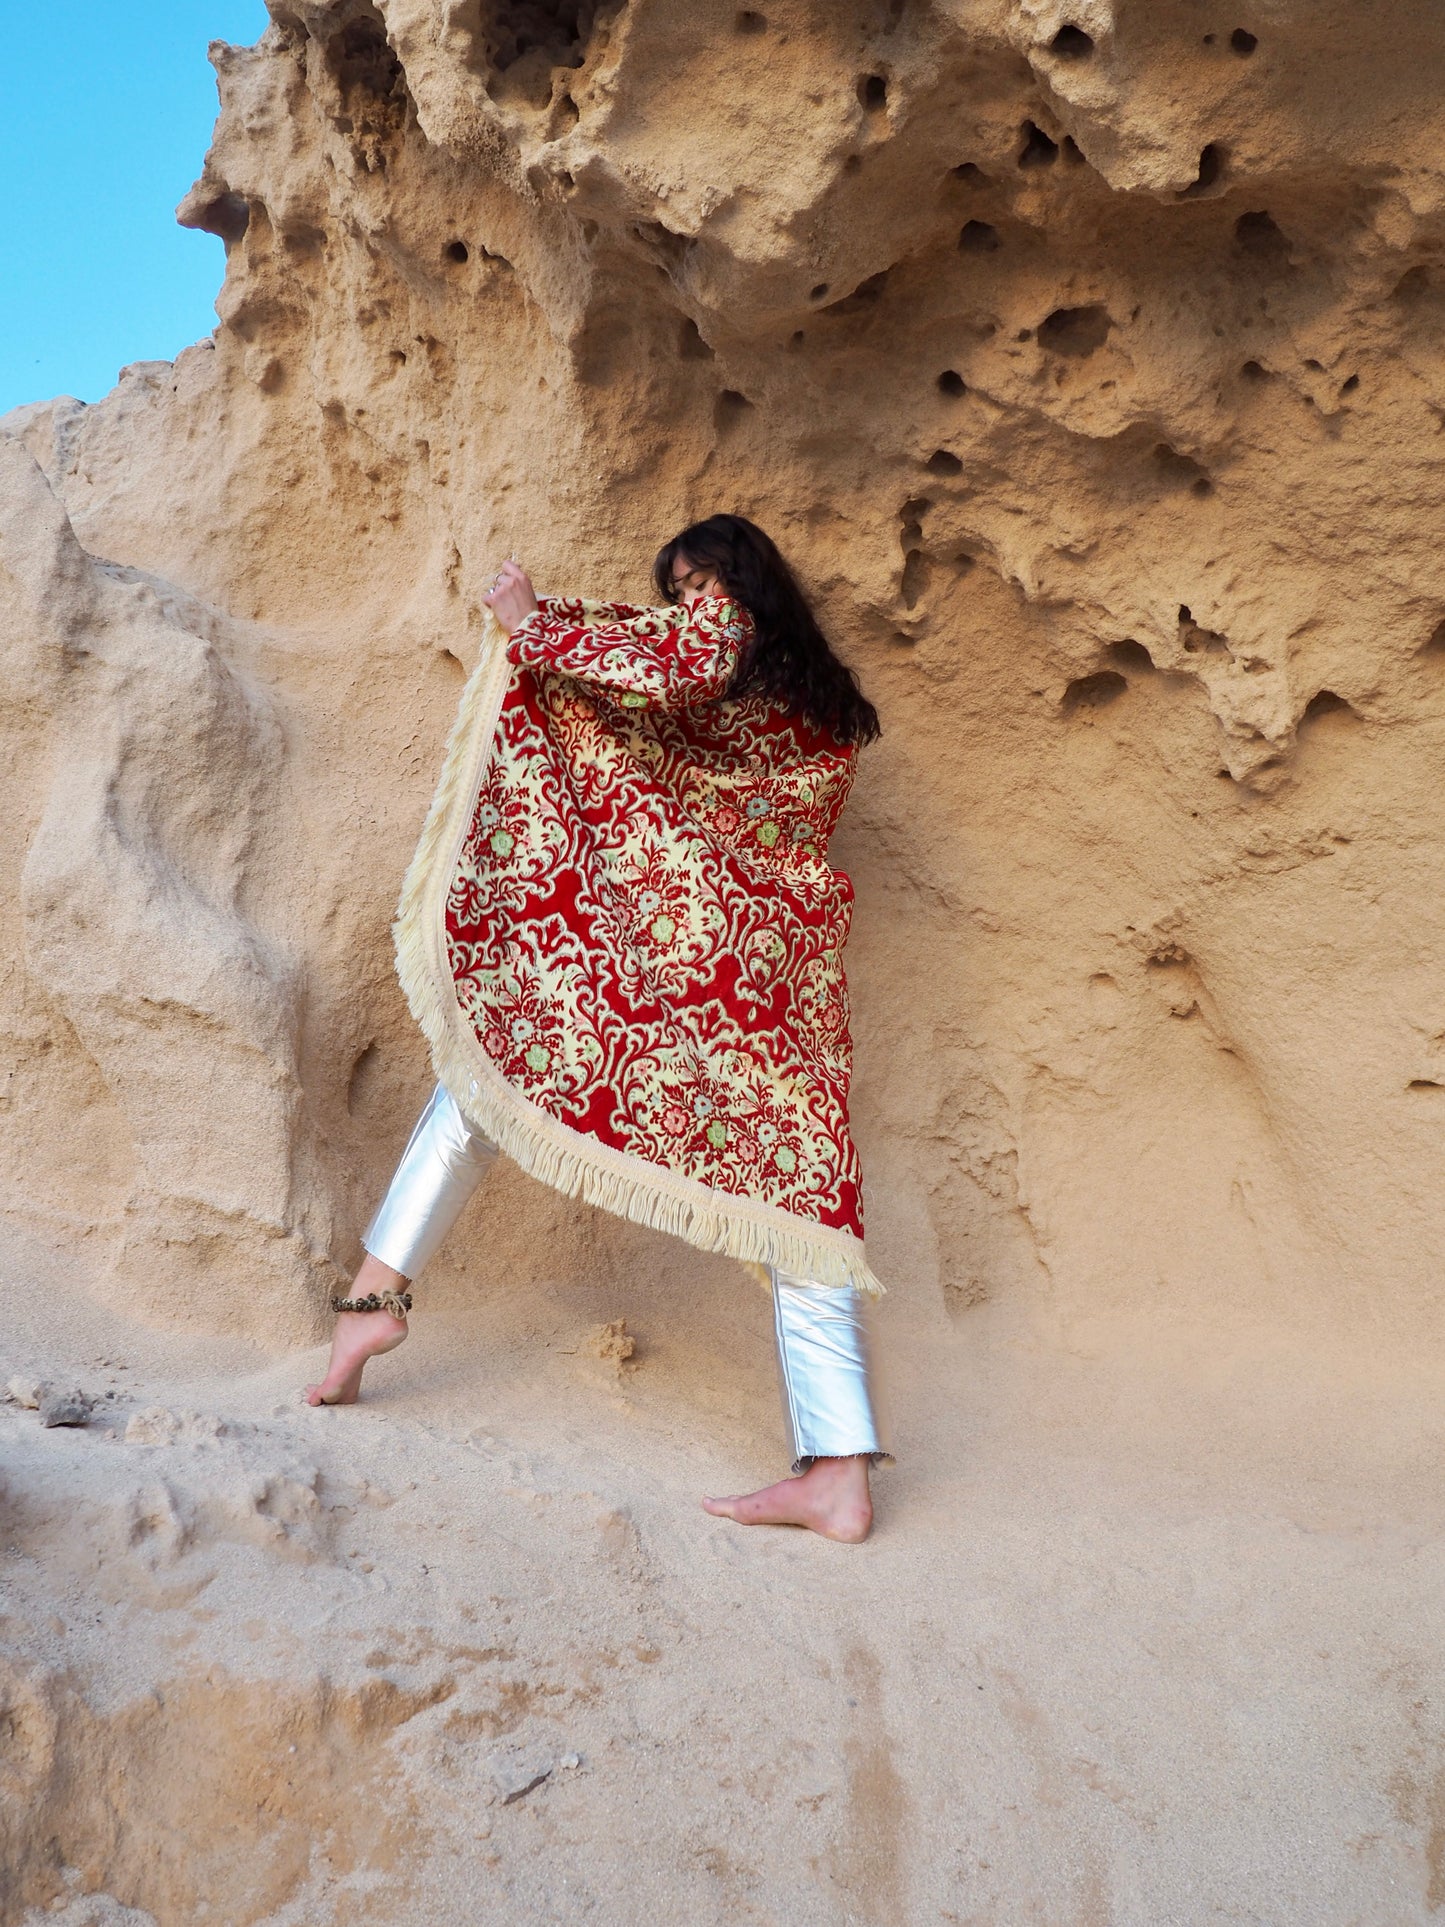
(571, 1161)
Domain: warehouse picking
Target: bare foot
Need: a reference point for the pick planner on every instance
(359, 1335)
(831, 1498)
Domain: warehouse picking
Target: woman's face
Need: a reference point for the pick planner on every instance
(693, 580)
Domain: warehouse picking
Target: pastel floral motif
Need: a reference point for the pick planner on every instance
(521, 1033)
(832, 1016)
(726, 820)
(675, 1120)
(757, 806)
(717, 1134)
(768, 833)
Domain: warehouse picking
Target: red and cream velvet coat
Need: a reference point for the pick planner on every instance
(623, 940)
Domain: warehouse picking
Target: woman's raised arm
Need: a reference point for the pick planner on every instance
(646, 658)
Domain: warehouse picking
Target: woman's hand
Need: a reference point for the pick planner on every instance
(512, 598)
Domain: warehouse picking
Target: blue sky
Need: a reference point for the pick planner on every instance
(107, 118)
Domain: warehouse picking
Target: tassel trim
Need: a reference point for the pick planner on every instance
(572, 1162)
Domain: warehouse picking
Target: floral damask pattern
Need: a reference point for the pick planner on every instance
(642, 927)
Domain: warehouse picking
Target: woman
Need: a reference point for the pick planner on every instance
(623, 941)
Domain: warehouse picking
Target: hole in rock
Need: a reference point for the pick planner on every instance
(863, 296)
(1073, 43)
(749, 22)
(1258, 233)
(816, 294)
(873, 93)
(1193, 639)
(362, 61)
(1211, 168)
(963, 561)
(1129, 654)
(672, 247)
(589, 232)
(568, 180)
(303, 240)
(1242, 42)
(555, 33)
(1414, 284)
(1180, 470)
(1252, 371)
(1325, 703)
(1315, 367)
(950, 382)
(943, 462)
(566, 115)
(690, 344)
(1434, 643)
(1037, 149)
(457, 251)
(853, 164)
(1349, 384)
(1424, 1084)
(915, 577)
(978, 237)
(1209, 40)
(796, 338)
(1072, 152)
(729, 409)
(968, 171)
(1093, 692)
(1075, 331)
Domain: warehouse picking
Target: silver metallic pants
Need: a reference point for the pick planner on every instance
(822, 1342)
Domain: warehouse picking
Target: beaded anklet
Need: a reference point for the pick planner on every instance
(398, 1303)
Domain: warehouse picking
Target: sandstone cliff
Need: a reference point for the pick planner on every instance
(1087, 358)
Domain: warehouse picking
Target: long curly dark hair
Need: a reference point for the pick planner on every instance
(791, 662)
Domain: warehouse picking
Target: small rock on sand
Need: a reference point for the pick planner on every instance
(25, 1391)
(613, 1343)
(517, 1771)
(65, 1408)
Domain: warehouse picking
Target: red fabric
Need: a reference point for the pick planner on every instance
(643, 928)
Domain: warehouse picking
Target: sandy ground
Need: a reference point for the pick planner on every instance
(471, 1650)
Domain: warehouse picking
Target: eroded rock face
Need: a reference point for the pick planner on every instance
(1088, 361)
